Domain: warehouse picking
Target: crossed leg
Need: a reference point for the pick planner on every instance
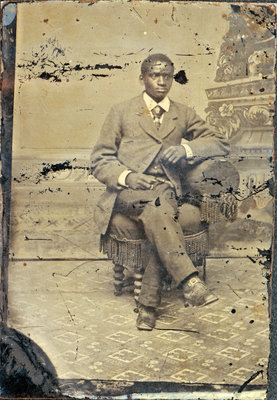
(157, 210)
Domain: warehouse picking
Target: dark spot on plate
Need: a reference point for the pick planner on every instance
(157, 202)
(180, 77)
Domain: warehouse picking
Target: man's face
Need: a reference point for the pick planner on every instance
(158, 80)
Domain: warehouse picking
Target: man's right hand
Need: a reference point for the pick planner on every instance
(139, 181)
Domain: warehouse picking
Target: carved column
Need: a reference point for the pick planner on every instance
(241, 102)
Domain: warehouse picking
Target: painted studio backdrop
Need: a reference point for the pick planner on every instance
(73, 62)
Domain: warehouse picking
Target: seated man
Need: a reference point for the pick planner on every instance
(140, 159)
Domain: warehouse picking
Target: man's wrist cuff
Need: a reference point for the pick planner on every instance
(188, 151)
(122, 177)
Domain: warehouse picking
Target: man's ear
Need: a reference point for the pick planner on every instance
(141, 79)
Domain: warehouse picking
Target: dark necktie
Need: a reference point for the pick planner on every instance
(157, 114)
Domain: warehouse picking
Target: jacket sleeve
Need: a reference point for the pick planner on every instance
(105, 165)
(205, 141)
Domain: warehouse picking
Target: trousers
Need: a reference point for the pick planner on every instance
(157, 210)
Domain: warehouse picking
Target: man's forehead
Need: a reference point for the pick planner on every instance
(159, 66)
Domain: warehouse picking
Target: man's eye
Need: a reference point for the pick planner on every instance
(165, 76)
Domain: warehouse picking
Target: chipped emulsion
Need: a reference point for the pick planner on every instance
(49, 55)
(36, 67)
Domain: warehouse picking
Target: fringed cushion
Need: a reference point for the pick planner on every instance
(215, 209)
(133, 254)
(210, 185)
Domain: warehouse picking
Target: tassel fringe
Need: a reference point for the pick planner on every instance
(218, 209)
(128, 253)
(132, 254)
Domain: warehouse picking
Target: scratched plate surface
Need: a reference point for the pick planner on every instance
(74, 64)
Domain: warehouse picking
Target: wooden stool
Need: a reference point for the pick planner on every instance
(132, 255)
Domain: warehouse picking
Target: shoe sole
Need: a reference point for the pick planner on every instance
(144, 327)
(210, 299)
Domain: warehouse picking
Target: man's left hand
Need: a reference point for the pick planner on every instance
(174, 154)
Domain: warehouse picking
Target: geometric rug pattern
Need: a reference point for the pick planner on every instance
(68, 308)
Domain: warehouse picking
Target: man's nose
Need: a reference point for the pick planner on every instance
(161, 80)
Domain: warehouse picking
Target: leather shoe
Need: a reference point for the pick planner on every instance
(146, 318)
(197, 294)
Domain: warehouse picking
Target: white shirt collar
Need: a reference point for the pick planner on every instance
(150, 103)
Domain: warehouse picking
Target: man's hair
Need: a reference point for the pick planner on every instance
(153, 59)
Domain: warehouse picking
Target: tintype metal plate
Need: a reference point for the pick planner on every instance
(65, 64)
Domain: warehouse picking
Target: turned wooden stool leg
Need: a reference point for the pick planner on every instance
(118, 279)
(137, 285)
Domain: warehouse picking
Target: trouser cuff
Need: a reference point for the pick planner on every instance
(150, 296)
(181, 284)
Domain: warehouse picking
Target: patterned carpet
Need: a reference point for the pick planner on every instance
(69, 309)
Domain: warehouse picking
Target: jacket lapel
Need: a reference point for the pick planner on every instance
(147, 124)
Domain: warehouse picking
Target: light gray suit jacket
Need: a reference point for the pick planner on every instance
(130, 140)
